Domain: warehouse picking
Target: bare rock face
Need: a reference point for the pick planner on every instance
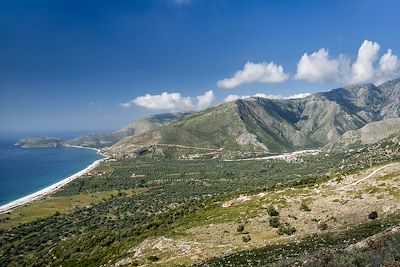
(371, 133)
(250, 139)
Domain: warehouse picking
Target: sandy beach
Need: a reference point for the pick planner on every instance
(50, 189)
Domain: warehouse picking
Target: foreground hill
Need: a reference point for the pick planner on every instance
(271, 125)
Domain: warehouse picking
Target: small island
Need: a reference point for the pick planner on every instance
(40, 141)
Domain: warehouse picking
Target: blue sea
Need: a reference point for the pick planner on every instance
(26, 170)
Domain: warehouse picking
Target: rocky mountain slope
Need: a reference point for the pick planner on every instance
(369, 134)
(274, 125)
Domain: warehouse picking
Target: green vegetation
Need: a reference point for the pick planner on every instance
(240, 228)
(162, 197)
(274, 222)
(272, 211)
(153, 258)
(286, 229)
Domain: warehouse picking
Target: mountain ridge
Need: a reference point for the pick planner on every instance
(275, 125)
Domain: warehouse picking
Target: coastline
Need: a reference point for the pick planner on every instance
(51, 188)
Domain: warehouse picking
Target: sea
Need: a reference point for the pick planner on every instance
(24, 171)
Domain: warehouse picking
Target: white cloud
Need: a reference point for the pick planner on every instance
(236, 97)
(204, 101)
(255, 72)
(230, 98)
(172, 102)
(389, 67)
(319, 67)
(363, 69)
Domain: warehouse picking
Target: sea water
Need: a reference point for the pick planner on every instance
(24, 171)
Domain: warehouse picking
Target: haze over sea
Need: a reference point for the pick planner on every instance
(24, 171)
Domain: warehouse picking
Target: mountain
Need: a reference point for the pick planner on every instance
(100, 140)
(272, 125)
(369, 134)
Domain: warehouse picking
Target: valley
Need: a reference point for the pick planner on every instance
(254, 182)
(172, 212)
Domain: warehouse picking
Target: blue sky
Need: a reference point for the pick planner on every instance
(88, 65)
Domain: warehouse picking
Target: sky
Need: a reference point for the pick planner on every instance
(98, 65)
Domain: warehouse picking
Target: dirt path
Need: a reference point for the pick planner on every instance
(366, 177)
(190, 147)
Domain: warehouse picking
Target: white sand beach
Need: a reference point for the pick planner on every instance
(50, 189)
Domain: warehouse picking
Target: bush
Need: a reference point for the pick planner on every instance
(272, 211)
(246, 238)
(274, 222)
(240, 228)
(153, 258)
(286, 229)
(304, 207)
(373, 215)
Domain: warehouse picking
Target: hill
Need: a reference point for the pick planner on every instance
(100, 140)
(40, 141)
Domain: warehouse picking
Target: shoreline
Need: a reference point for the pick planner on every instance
(51, 188)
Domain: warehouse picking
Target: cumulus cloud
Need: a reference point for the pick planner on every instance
(363, 68)
(230, 98)
(389, 66)
(204, 101)
(172, 102)
(255, 72)
(319, 67)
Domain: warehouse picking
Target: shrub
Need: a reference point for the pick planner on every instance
(304, 207)
(246, 238)
(286, 228)
(240, 228)
(272, 211)
(274, 222)
(373, 215)
(153, 258)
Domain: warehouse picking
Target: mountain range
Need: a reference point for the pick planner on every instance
(274, 125)
(334, 119)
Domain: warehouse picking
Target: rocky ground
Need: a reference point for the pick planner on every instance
(333, 206)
